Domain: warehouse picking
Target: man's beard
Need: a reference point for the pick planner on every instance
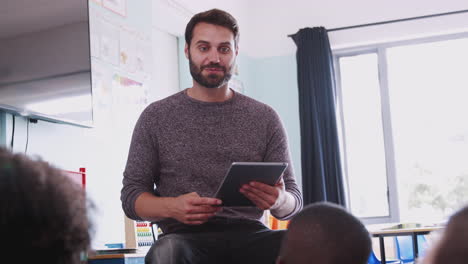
(212, 80)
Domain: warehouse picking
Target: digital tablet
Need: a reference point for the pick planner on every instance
(241, 173)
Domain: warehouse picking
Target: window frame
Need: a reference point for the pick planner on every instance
(380, 50)
(3, 129)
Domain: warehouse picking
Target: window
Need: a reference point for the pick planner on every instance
(364, 135)
(405, 135)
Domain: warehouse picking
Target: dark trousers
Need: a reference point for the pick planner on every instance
(219, 242)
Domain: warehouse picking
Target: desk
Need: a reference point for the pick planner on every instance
(413, 232)
(134, 258)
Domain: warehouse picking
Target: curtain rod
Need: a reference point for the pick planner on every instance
(395, 21)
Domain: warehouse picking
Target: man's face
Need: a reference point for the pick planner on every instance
(212, 55)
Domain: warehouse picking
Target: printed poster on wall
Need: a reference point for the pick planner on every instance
(128, 51)
(117, 6)
(102, 93)
(135, 52)
(109, 42)
(143, 58)
(94, 34)
(130, 98)
(235, 83)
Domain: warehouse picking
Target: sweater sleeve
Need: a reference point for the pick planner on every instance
(141, 170)
(278, 151)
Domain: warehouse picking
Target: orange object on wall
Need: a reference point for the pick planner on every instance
(275, 224)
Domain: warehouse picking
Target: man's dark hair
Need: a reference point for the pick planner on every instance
(43, 213)
(214, 17)
(327, 234)
(453, 246)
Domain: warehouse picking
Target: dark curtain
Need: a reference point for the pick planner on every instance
(321, 167)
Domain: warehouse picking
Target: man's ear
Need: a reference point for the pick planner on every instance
(186, 51)
(237, 49)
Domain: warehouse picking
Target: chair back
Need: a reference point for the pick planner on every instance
(374, 260)
(404, 246)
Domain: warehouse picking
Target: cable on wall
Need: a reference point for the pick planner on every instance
(27, 137)
(29, 120)
(12, 142)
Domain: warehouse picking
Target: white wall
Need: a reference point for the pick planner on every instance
(273, 81)
(165, 64)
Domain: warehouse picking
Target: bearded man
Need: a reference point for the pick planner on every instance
(182, 147)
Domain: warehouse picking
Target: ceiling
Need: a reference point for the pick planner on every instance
(265, 24)
(22, 16)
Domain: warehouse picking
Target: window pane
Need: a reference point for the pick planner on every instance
(428, 86)
(364, 142)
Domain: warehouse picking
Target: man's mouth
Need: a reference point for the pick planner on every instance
(213, 69)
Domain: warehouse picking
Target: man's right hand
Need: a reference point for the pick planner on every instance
(191, 209)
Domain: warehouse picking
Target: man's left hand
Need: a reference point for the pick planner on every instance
(264, 196)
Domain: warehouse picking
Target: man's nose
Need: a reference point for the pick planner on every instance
(213, 56)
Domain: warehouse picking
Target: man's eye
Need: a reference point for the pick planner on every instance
(225, 49)
(202, 48)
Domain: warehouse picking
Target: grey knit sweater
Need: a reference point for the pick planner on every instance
(182, 145)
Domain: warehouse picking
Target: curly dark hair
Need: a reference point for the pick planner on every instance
(453, 245)
(215, 17)
(325, 233)
(43, 213)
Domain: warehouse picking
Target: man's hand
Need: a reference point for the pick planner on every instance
(263, 195)
(191, 209)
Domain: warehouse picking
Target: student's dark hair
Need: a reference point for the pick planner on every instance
(215, 17)
(453, 247)
(325, 233)
(43, 213)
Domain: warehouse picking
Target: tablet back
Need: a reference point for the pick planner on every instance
(244, 172)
